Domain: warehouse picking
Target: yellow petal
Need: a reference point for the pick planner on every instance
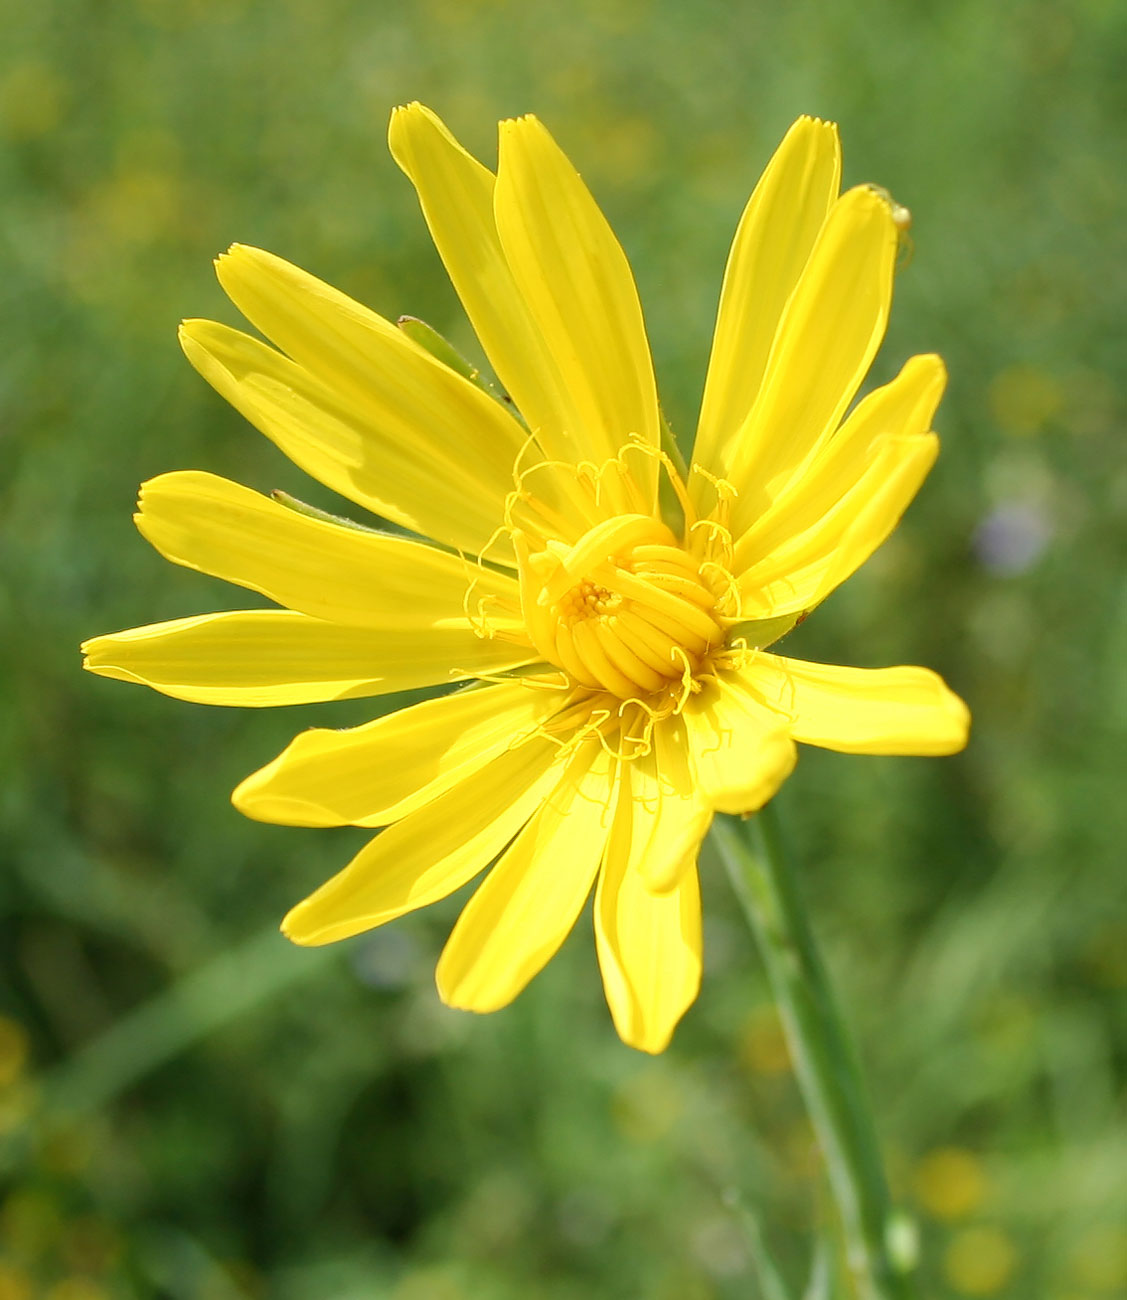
(344, 443)
(902, 466)
(432, 852)
(741, 752)
(574, 277)
(843, 474)
(524, 908)
(417, 424)
(770, 249)
(670, 814)
(327, 570)
(456, 195)
(861, 710)
(274, 656)
(829, 333)
(802, 572)
(649, 944)
(380, 772)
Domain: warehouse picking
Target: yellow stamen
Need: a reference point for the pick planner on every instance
(624, 610)
(651, 646)
(623, 657)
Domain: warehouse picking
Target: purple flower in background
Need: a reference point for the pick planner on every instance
(1012, 537)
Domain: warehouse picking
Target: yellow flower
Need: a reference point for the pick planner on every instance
(612, 610)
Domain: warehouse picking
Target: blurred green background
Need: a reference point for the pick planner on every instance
(191, 1108)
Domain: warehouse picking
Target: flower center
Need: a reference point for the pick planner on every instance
(625, 610)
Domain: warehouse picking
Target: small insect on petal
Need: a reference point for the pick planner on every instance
(902, 220)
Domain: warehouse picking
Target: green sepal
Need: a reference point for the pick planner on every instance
(672, 512)
(429, 339)
(672, 448)
(312, 512)
(760, 632)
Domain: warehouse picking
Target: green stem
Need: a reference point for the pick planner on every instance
(825, 1064)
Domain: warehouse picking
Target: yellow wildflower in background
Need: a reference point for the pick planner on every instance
(623, 690)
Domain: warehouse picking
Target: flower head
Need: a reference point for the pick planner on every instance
(611, 610)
